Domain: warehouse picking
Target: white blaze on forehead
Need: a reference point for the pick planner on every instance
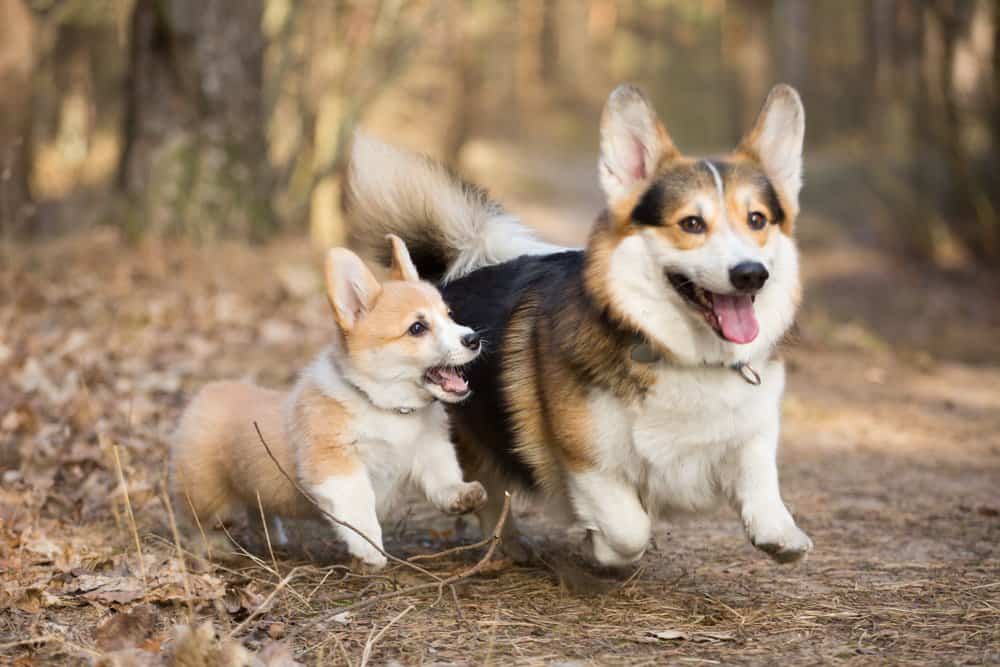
(718, 185)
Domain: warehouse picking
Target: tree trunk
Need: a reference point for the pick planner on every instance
(16, 64)
(195, 158)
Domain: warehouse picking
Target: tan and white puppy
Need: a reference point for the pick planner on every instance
(365, 420)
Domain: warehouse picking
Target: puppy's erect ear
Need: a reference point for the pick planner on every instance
(402, 265)
(633, 141)
(350, 286)
(776, 140)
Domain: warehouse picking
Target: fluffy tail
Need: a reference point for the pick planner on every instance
(450, 227)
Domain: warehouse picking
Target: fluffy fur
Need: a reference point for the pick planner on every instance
(364, 421)
(611, 381)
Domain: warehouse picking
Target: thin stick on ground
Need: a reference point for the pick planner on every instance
(201, 529)
(312, 499)
(267, 533)
(180, 553)
(263, 605)
(131, 521)
(366, 654)
(450, 581)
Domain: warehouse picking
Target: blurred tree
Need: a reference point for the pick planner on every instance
(16, 65)
(195, 150)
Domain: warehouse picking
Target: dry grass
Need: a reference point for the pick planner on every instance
(891, 459)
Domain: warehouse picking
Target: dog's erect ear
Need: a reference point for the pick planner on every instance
(402, 265)
(633, 141)
(350, 286)
(776, 140)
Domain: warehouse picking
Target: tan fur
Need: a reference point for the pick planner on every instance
(320, 427)
(218, 462)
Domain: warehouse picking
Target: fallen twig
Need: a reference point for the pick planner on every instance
(263, 605)
(131, 520)
(366, 654)
(450, 581)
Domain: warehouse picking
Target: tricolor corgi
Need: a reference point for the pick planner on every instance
(635, 378)
(364, 420)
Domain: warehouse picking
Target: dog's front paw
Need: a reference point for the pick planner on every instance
(786, 546)
(368, 563)
(463, 498)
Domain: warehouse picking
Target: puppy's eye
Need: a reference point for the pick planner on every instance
(756, 220)
(417, 329)
(693, 224)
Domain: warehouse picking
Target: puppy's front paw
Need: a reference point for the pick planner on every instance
(786, 546)
(463, 498)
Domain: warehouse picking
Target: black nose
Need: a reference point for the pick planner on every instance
(471, 341)
(748, 276)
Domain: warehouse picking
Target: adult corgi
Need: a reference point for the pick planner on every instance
(637, 377)
(364, 420)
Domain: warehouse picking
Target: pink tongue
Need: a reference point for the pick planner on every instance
(452, 382)
(736, 317)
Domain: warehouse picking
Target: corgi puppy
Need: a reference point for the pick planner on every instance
(637, 377)
(365, 419)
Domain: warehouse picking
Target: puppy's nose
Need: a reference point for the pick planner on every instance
(471, 341)
(748, 276)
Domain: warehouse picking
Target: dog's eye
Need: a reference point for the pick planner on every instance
(756, 220)
(693, 224)
(417, 328)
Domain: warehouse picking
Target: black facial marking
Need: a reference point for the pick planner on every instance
(649, 210)
(771, 198)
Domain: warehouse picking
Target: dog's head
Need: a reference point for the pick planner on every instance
(700, 253)
(398, 335)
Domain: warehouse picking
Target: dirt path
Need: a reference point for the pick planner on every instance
(890, 457)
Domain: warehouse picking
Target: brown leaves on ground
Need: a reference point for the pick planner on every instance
(197, 646)
(890, 460)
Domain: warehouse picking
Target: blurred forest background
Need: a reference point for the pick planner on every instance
(170, 174)
(209, 119)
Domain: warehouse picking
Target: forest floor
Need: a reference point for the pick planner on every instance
(890, 459)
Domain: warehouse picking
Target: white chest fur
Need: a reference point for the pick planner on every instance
(388, 444)
(671, 444)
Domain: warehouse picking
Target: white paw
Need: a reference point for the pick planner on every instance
(618, 554)
(462, 498)
(786, 545)
(369, 561)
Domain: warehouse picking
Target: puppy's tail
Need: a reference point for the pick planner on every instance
(450, 227)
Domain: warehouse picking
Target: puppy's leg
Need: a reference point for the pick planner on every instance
(351, 498)
(750, 478)
(610, 509)
(439, 477)
(275, 529)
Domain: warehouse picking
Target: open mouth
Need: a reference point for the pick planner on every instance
(450, 379)
(731, 316)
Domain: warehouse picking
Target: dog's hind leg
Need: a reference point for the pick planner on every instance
(497, 487)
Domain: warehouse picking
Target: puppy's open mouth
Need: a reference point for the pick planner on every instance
(731, 316)
(449, 378)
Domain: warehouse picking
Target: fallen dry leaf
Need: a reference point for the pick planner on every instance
(131, 657)
(127, 629)
(276, 654)
(699, 636)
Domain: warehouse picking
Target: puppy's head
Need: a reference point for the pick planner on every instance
(706, 243)
(399, 335)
